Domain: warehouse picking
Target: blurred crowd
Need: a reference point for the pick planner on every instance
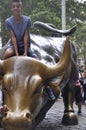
(80, 88)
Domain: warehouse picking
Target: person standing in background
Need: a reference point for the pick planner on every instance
(84, 85)
(78, 96)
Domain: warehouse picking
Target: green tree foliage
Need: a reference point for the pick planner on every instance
(76, 14)
(47, 11)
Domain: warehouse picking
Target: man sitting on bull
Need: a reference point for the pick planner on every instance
(19, 25)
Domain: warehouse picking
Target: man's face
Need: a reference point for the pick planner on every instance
(16, 8)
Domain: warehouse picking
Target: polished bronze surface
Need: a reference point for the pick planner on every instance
(24, 80)
(22, 84)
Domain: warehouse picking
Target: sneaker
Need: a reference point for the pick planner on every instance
(50, 93)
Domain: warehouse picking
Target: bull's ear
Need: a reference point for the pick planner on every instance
(1, 68)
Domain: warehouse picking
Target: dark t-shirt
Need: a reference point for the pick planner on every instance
(18, 28)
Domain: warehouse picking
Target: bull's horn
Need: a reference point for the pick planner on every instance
(52, 28)
(63, 63)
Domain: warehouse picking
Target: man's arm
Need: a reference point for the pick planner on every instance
(26, 41)
(14, 41)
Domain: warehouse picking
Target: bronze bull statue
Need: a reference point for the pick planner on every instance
(24, 80)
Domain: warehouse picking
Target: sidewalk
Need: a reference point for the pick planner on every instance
(52, 121)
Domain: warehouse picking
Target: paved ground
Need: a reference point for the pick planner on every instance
(52, 121)
(53, 118)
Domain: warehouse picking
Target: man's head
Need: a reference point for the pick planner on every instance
(16, 7)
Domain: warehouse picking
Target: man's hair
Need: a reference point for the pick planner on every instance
(16, 1)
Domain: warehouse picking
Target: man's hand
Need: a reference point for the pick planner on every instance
(3, 109)
(25, 54)
(17, 54)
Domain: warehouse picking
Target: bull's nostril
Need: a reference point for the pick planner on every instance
(5, 114)
(28, 115)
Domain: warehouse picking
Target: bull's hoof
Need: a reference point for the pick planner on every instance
(70, 119)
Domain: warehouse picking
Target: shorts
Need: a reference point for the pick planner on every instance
(30, 52)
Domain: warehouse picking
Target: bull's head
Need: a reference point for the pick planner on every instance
(23, 80)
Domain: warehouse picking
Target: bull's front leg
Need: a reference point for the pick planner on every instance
(69, 117)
